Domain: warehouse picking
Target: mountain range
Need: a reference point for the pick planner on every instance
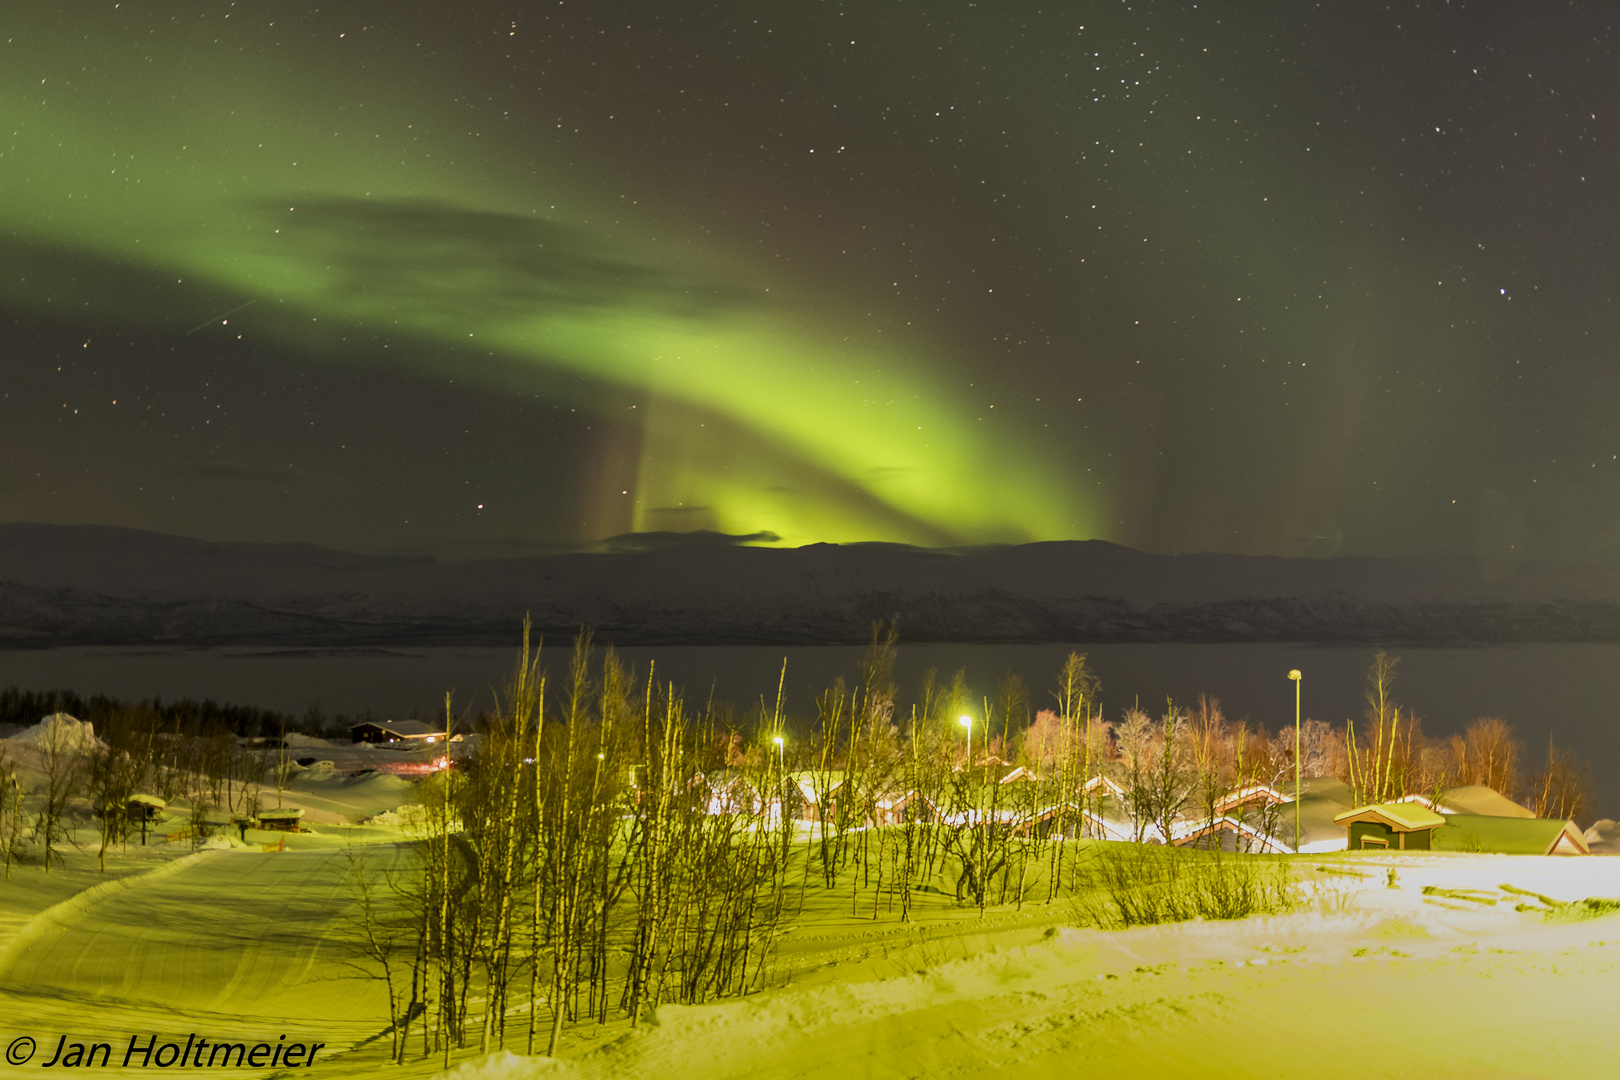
(103, 585)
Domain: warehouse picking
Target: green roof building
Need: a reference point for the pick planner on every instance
(1401, 826)
(1510, 835)
(1407, 826)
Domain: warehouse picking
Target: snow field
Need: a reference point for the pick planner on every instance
(1385, 983)
(241, 944)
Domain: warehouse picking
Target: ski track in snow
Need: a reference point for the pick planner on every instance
(221, 943)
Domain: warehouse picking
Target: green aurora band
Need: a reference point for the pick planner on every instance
(347, 199)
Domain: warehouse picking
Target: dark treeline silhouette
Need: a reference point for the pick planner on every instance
(26, 707)
(188, 716)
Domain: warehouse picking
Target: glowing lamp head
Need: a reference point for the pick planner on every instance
(1295, 675)
(965, 721)
(778, 741)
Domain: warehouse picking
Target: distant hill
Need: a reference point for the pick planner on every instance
(98, 585)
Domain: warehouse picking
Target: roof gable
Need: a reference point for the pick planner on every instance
(1402, 817)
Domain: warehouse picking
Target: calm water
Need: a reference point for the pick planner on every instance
(1569, 692)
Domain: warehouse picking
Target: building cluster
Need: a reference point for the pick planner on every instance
(1271, 818)
(1255, 818)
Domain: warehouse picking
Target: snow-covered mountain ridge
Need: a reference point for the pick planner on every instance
(100, 585)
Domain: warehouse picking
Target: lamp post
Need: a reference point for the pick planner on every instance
(1297, 679)
(967, 722)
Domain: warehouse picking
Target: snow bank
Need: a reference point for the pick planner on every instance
(76, 735)
(410, 815)
(1603, 838)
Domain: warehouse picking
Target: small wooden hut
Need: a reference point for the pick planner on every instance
(281, 819)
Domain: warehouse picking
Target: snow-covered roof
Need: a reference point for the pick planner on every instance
(1252, 793)
(1107, 784)
(1479, 799)
(1510, 835)
(1185, 832)
(1400, 816)
(405, 729)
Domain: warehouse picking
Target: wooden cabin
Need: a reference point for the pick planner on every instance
(143, 807)
(1402, 826)
(282, 819)
(1226, 833)
(1410, 826)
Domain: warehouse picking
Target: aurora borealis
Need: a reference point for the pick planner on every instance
(485, 278)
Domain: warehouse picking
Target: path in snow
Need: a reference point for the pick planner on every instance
(228, 944)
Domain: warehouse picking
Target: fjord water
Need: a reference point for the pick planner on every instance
(1570, 692)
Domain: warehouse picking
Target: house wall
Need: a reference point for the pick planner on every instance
(1223, 839)
(1415, 841)
(1372, 830)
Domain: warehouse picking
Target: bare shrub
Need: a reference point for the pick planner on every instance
(1136, 885)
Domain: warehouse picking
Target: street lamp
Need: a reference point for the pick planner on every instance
(1297, 679)
(967, 722)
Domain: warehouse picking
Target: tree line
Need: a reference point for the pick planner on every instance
(23, 707)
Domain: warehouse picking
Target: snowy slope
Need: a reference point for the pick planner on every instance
(1426, 988)
(101, 585)
(242, 945)
(222, 943)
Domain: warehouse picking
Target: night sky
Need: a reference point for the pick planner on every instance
(477, 278)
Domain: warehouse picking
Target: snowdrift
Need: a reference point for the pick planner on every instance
(76, 736)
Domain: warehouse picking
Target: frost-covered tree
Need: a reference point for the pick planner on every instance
(61, 761)
(1134, 735)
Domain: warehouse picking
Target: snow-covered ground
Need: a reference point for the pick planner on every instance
(1375, 981)
(1370, 980)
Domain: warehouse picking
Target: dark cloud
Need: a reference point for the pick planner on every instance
(653, 541)
(479, 264)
